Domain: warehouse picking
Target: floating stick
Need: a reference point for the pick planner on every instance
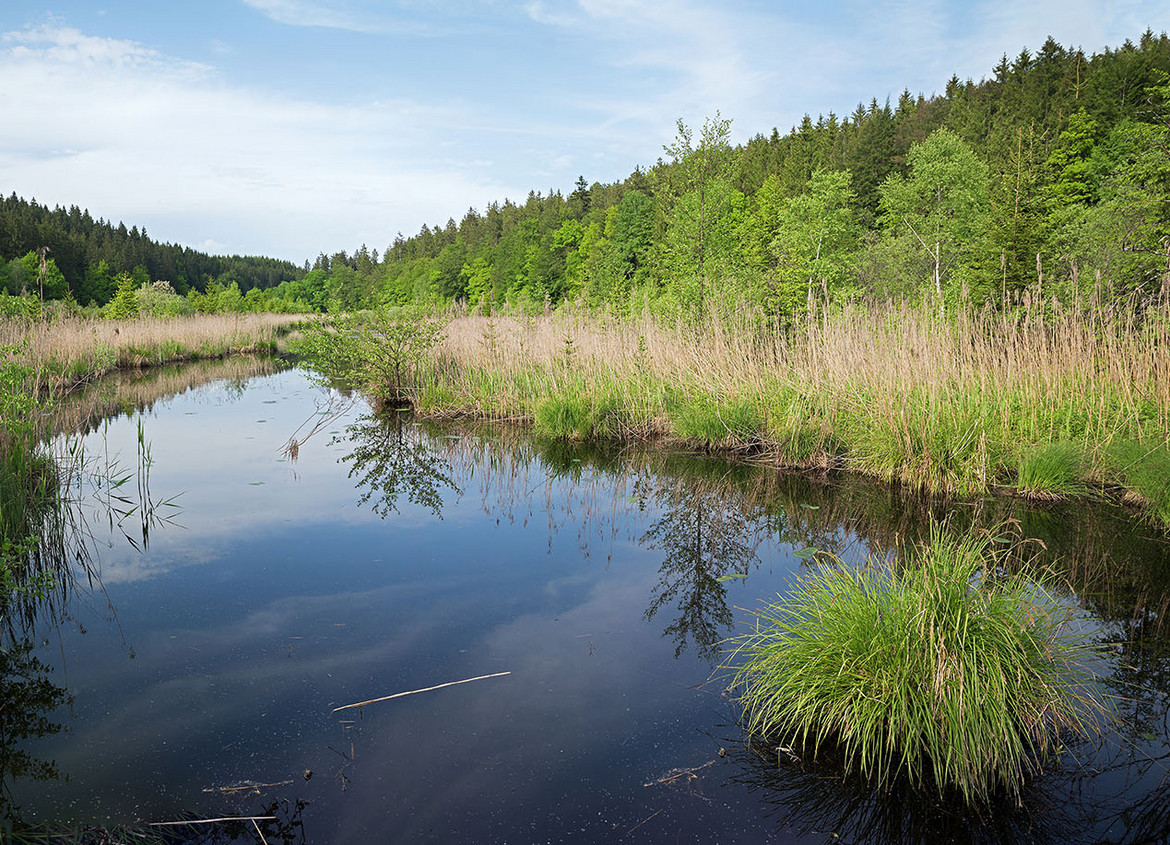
(424, 689)
(216, 821)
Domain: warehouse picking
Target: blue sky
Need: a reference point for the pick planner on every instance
(293, 127)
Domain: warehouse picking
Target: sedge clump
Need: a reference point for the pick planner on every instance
(944, 669)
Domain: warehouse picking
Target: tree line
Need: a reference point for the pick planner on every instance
(1053, 173)
(55, 253)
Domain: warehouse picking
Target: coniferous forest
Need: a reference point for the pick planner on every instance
(1051, 172)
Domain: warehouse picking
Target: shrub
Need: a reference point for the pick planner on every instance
(945, 670)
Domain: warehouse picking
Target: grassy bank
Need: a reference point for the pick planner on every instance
(66, 353)
(1045, 403)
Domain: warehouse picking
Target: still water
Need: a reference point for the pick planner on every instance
(200, 659)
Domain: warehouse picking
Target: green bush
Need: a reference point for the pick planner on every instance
(943, 669)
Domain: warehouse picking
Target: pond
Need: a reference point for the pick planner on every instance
(195, 666)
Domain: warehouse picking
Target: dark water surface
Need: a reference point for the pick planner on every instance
(204, 669)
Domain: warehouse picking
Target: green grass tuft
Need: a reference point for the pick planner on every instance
(1145, 470)
(580, 415)
(944, 670)
(1051, 472)
(711, 420)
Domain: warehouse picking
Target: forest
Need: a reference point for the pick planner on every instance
(58, 253)
(1053, 173)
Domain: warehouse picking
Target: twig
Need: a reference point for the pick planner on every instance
(424, 689)
(682, 774)
(216, 821)
(639, 824)
(224, 790)
(259, 832)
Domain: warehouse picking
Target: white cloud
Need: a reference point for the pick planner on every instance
(136, 135)
(305, 13)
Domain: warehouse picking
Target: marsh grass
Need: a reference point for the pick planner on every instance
(1143, 468)
(1052, 471)
(66, 353)
(946, 670)
(959, 404)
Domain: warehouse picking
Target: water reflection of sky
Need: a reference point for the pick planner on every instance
(216, 656)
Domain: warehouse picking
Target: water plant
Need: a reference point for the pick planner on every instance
(1052, 471)
(945, 669)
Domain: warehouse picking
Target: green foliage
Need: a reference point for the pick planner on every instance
(1052, 471)
(378, 352)
(124, 305)
(158, 299)
(25, 307)
(944, 669)
(938, 211)
(815, 241)
(41, 276)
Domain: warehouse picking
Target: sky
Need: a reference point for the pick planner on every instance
(289, 128)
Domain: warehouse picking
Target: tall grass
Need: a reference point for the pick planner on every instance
(946, 670)
(959, 403)
(66, 353)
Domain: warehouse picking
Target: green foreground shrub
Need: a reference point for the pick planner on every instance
(944, 669)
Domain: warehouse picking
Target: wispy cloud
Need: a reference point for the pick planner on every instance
(370, 17)
(307, 13)
(141, 136)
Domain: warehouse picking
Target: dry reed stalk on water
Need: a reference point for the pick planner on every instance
(685, 773)
(414, 691)
(215, 821)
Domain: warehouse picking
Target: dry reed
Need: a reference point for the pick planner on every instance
(897, 391)
(66, 353)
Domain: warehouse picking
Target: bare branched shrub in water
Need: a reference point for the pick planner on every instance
(943, 669)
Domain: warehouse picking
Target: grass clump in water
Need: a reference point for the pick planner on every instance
(944, 670)
(1051, 472)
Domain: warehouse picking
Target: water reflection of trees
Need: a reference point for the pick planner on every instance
(706, 537)
(27, 697)
(711, 520)
(391, 457)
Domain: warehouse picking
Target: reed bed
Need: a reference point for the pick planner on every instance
(957, 403)
(66, 353)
